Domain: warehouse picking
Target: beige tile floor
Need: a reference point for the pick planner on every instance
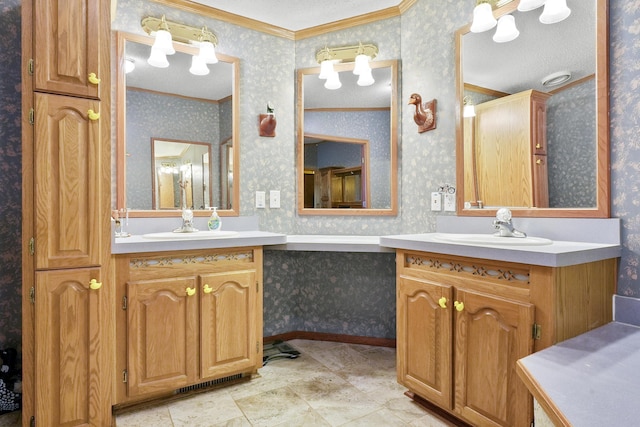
(330, 384)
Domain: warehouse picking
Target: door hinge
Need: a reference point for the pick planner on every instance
(32, 422)
(32, 246)
(32, 119)
(125, 376)
(124, 302)
(536, 331)
(257, 347)
(30, 67)
(32, 295)
(257, 287)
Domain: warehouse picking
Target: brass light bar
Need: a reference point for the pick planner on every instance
(179, 32)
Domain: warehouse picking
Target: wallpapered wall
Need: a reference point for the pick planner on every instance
(425, 33)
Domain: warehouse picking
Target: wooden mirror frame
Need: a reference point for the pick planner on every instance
(602, 210)
(393, 150)
(121, 155)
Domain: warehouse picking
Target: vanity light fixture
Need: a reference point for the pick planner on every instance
(166, 33)
(483, 19)
(506, 30)
(361, 54)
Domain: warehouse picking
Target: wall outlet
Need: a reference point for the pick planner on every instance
(260, 199)
(436, 201)
(274, 199)
(450, 202)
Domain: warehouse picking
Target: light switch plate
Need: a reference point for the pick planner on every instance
(274, 199)
(436, 201)
(260, 199)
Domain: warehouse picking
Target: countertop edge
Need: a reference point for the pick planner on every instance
(575, 382)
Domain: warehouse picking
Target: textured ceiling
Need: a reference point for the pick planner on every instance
(295, 15)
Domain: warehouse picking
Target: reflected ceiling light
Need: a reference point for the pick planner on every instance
(198, 66)
(333, 81)
(129, 65)
(361, 54)
(555, 11)
(527, 5)
(506, 30)
(158, 58)
(469, 109)
(366, 78)
(557, 78)
(483, 19)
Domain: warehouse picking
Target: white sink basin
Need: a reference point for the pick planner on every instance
(490, 239)
(198, 235)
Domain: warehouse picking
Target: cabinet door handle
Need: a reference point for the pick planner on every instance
(94, 284)
(538, 146)
(443, 302)
(93, 78)
(191, 291)
(538, 162)
(458, 305)
(93, 115)
(207, 289)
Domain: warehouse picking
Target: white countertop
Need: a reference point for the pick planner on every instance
(331, 243)
(592, 379)
(138, 243)
(556, 254)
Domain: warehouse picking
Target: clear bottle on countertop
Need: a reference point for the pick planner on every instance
(215, 223)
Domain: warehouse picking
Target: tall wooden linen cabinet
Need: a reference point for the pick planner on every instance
(66, 172)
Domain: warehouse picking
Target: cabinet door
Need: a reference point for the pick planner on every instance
(424, 339)
(228, 329)
(69, 42)
(491, 335)
(71, 323)
(162, 334)
(68, 183)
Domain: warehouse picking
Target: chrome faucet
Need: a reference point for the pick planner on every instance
(505, 227)
(187, 222)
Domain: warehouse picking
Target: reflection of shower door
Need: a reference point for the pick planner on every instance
(166, 190)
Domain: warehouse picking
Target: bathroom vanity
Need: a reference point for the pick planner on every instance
(188, 313)
(466, 312)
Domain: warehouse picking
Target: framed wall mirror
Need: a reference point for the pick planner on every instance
(168, 119)
(539, 149)
(347, 143)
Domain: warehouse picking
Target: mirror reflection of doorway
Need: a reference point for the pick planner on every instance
(179, 173)
(336, 172)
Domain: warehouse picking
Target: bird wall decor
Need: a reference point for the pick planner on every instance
(268, 122)
(425, 115)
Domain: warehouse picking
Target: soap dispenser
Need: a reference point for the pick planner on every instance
(215, 223)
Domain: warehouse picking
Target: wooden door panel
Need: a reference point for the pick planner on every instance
(68, 45)
(67, 183)
(70, 324)
(424, 335)
(162, 334)
(228, 330)
(492, 333)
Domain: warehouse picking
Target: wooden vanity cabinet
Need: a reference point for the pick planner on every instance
(462, 324)
(186, 318)
(66, 180)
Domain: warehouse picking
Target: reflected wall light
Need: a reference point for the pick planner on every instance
(167, 32)
(469, 109)
(484, 20)
(361, 54)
